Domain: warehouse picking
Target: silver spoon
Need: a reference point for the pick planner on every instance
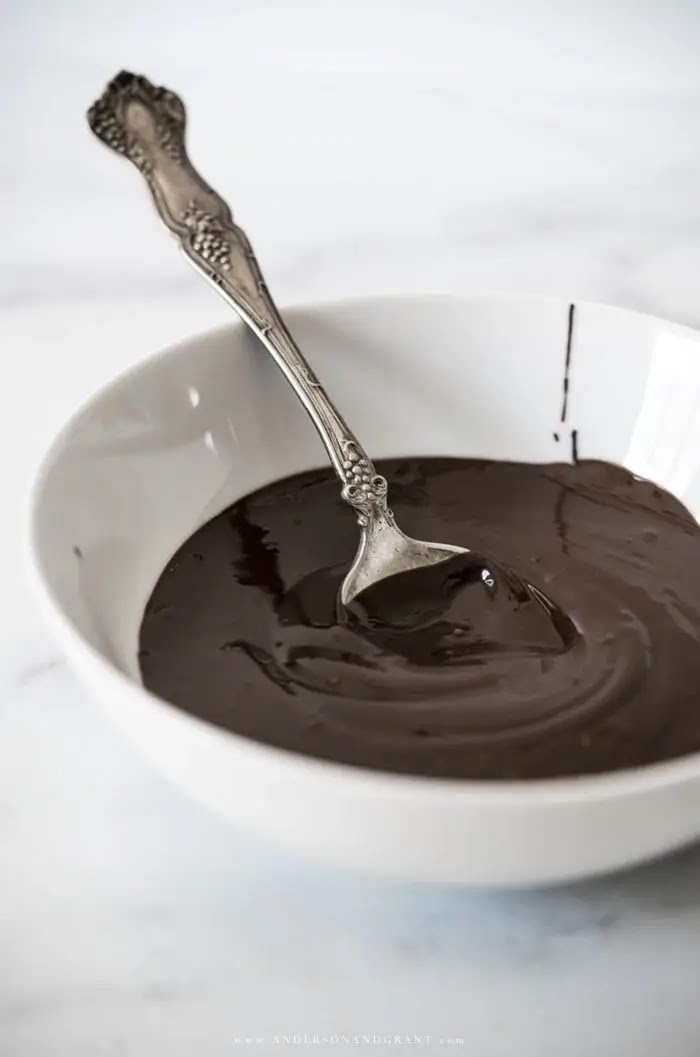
(147, 125)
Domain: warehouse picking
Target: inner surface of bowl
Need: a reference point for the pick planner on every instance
(181, 437)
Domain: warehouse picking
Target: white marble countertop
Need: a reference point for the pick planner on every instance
(368, 147)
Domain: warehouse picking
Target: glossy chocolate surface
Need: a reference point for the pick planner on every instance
(435, 676)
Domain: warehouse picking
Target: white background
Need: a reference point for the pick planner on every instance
(366, 146)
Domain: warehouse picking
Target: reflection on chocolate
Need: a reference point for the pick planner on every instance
(594, 666)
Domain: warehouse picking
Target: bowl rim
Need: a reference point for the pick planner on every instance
(568, 790)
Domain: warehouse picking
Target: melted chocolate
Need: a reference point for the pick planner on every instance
(594, 667)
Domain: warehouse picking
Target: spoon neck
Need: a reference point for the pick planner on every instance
(362, 487)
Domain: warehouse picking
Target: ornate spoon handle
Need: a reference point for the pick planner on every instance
(147, 125)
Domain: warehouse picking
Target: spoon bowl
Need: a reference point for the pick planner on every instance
(386, 551)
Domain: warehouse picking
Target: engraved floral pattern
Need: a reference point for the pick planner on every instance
(363, 487)
(108, 119)
(208, 237)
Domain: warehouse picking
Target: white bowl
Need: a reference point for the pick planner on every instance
(172, 442)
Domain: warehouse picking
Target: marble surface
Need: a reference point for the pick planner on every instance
(368, 147)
